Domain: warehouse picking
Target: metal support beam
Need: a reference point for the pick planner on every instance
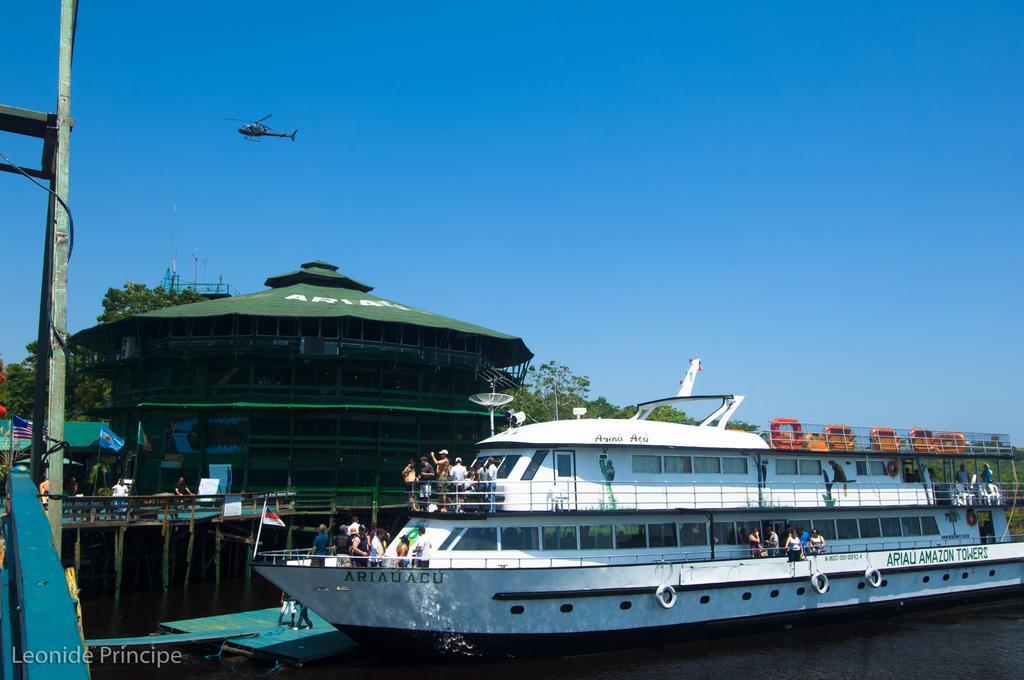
(59, 264)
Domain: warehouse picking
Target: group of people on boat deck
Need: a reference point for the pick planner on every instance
(438, 484)
(798, 543)
(355, 546)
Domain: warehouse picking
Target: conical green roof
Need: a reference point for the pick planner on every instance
(318, 273)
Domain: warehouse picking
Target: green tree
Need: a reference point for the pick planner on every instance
(551, 391)
(136, 298)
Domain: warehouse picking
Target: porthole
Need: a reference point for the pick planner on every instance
(926, 579)
(945, 577)
(885, 582)
(624, 605)
(704, 599)
(991, 572)
(801, 590)
(565, 608)
(963, 575)
(517, 609)
(860, 586)
(774, 593)
(746, 596)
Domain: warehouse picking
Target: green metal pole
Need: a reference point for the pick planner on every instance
(61, 244)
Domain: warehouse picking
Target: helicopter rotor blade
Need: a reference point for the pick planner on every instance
(264, 117)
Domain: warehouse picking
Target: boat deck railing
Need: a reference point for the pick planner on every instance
(796, 436)
(572, 495)
(445, 560)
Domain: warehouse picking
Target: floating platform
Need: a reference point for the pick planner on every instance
(254, 634)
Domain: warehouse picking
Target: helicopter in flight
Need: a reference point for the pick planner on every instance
(253, 130)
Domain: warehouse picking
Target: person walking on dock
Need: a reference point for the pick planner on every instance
(287, 609)
(303, 617)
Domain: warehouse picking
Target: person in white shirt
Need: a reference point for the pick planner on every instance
(353, 529)
(119, 489)
(422, 550)
(491, 472)
(376, 550)
(458, 473)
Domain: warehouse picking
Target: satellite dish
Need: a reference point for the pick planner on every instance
(491, 400)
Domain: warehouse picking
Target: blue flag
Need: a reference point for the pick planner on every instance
(109, 440)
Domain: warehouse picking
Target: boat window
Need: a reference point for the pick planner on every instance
(862, 468)
(929, 527)
(661, 535)
(630, 536)
(563, 463)
(693, 533)
(519, 538)
(507, 463)
(592, 537)
(891, 526)
(785, 466)
(678, 464)
(451, 538)
(911, 526)
(707, 465)
(825, 527)
(478, 538)
(846, 529)
(810, 467)
(869, 527)
(725, 533)
(647, 464)
(877, 468)
(559, 538)
(535, 463)
(734, 466)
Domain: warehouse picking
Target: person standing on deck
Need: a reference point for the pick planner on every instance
(321, 542)
(459, 482)
(491, 474)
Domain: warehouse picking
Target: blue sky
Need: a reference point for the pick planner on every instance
(824, 203)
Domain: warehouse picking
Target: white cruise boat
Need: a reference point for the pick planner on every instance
(600, 534)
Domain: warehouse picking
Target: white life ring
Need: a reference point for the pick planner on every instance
(660, 594)
(873, 577)
(819, 582)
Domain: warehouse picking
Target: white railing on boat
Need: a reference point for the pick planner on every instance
(445, 560)
(575, 495)
(791, 435)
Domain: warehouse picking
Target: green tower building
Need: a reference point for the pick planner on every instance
(313, 384)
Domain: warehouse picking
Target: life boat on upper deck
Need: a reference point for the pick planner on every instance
(950, 443)
(922, 440)
(885, 439)
(786, 433)
(840, 438)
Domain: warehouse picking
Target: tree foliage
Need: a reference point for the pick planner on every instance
(136, 298)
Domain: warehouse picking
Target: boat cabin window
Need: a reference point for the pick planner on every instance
(447, 543)
(891, 526)
(707, 465)
(563, 464)
(507, 463)
(535, 463)
(929, 527)
(478, 538)
(630, 536)
(662, 535)
(678, 464)
(647, 464)
(785, 466)
(559, 538)
(593, 537)
(825, 527)
(810, 467)
(724, 533)
(869, 527)
(911, 526)
(734, 466)
(519, 538)
(693, 533)
(875, 468)
(846, 529)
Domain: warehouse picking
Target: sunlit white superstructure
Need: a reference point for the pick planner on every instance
(602, 533)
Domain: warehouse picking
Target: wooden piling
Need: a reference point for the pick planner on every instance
(78, 552)
(119, 537)
(191, 540)
(248, 555)
(166, 567)
(217, 540)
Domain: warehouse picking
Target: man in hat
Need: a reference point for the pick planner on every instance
(459, 482)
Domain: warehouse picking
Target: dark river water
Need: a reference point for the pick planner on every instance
(979, 643)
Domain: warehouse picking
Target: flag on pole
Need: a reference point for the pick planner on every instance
(110, 440)
(270, 517)
(21, 428)
(143, 440)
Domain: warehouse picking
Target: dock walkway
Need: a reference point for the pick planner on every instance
(253, 633)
